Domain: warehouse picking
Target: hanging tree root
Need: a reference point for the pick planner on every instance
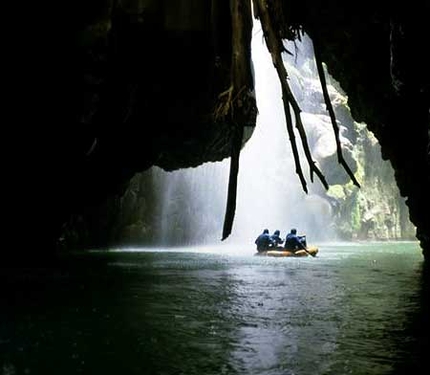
(321, 74)
(292, 137)
(232, 183)
(225, 111)
(275, 47)
(236, 102)
(226, 104)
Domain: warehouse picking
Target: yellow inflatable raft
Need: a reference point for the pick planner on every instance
(311, 251)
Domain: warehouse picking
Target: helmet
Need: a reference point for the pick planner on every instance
(266, 231)
(277, 232)
(294, 230)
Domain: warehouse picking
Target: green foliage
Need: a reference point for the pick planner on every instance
(337, 192)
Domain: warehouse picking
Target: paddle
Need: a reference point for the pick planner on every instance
(304, 248)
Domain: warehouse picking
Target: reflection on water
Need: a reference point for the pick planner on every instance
(355, 309)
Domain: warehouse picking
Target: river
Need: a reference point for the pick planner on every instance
(354, 309)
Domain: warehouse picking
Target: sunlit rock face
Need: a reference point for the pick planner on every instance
(367, 50)
(127, 85)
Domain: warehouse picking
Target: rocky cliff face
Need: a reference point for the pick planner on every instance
(115, 87)
(369, 51)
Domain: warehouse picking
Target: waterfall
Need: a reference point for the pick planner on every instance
(270, 194)
(192, 201)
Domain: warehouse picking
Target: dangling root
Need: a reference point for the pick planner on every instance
(293, 142)
(321, 74)
(237, 96)
(232, 182)
(226, 103)
(275, 47)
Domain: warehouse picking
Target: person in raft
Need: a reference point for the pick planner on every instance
(293, 242)
(276, 239)
(263, 241)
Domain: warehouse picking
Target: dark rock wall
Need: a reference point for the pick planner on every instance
(110, 89)
(107, 89)
(376, 55)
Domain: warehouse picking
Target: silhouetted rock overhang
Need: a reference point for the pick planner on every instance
(116, 87)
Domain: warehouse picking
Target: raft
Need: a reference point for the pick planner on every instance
(312, 250)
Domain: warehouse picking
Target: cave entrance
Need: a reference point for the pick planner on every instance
(186, 207)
